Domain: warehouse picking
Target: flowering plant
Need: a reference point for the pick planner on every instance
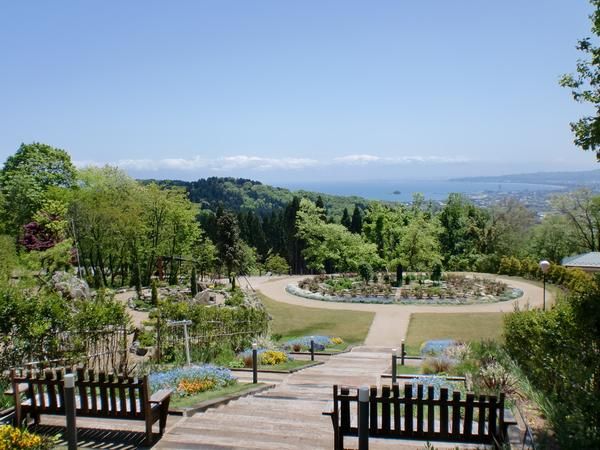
(191, 380)
(273, 357)
(16, 438)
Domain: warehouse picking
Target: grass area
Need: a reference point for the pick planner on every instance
(193, 400)
(288, 365)
(407, 370)
(292, 321)
(459, 326)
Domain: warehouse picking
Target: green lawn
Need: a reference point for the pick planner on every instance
(407, 370)
(293, 321)
(193, 400)
(288, 365)
(460, 326)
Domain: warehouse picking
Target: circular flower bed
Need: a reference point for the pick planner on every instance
(453, 289)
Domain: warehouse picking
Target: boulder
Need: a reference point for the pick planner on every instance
(69, 286)
(205, 298)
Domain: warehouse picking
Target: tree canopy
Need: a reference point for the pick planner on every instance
(585, 86)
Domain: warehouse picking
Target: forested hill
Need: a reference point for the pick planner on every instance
(240, 194)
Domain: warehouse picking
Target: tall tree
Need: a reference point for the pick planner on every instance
(461, 225)
(585, 87)
(26, 178)
(357, 220)
(346, 220)
(229, 244)
(581, 209)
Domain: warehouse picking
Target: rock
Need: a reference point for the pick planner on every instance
(205, 298)
(69, 286)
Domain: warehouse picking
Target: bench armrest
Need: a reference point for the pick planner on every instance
(327, 413)
(161, 396)
(21, 387)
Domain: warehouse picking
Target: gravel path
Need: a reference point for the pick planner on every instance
(390, 324)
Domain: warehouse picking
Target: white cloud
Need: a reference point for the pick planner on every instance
(260, 163)
(357, 159)
(362, 159)
(217, 164)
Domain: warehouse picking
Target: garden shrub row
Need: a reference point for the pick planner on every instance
(575, 280)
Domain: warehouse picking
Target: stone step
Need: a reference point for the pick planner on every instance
(274, 425)
(277, 418)
(250, 437)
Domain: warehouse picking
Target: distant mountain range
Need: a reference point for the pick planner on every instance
(570, 179)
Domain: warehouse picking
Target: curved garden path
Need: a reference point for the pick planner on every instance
(390, 324)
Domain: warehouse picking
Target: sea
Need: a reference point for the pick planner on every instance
(403, 191)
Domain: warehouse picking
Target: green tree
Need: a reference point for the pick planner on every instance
(331, 247)
(346, 220)
(552, 239)
(585, 87)
(581, 210)
(419, 248)
(206, 255)
(277, 264)
(229, 244)
(26, 178)
(356, 225)
(461, 224)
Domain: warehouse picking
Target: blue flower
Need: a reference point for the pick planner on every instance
(170, 379)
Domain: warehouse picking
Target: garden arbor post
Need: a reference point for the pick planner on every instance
(402, 353)
(544, 265)
(69, 387)
(186, 337)
(363, 418)
(394, 363)
(254, 363)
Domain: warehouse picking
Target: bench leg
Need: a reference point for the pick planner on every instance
(149, 438)
(164, 412)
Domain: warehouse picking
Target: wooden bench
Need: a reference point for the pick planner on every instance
(102, 396)
(403, 415)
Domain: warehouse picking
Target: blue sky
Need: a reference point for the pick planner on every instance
(289, 91)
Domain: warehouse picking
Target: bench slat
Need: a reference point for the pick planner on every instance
(420, 405)
(397, 410)
(468, 425)
(385, 410)
(481, 421)
(444, 412)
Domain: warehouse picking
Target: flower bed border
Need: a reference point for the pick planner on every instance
(296, 290)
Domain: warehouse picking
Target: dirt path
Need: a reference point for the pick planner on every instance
(390, 324)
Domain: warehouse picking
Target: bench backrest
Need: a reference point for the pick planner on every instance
(405, 414)
(97, 395)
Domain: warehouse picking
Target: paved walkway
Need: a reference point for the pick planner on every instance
(390, 324)
(287, 417)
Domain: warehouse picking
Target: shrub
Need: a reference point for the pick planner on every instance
(337, 340)
(435, 365)
(496, 378)
(16, 438)
(273, 357)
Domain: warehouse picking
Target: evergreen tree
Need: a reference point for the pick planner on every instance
(321, 204)
(356, 224)
(346, 220)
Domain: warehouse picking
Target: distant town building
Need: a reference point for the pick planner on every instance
(590, 262)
